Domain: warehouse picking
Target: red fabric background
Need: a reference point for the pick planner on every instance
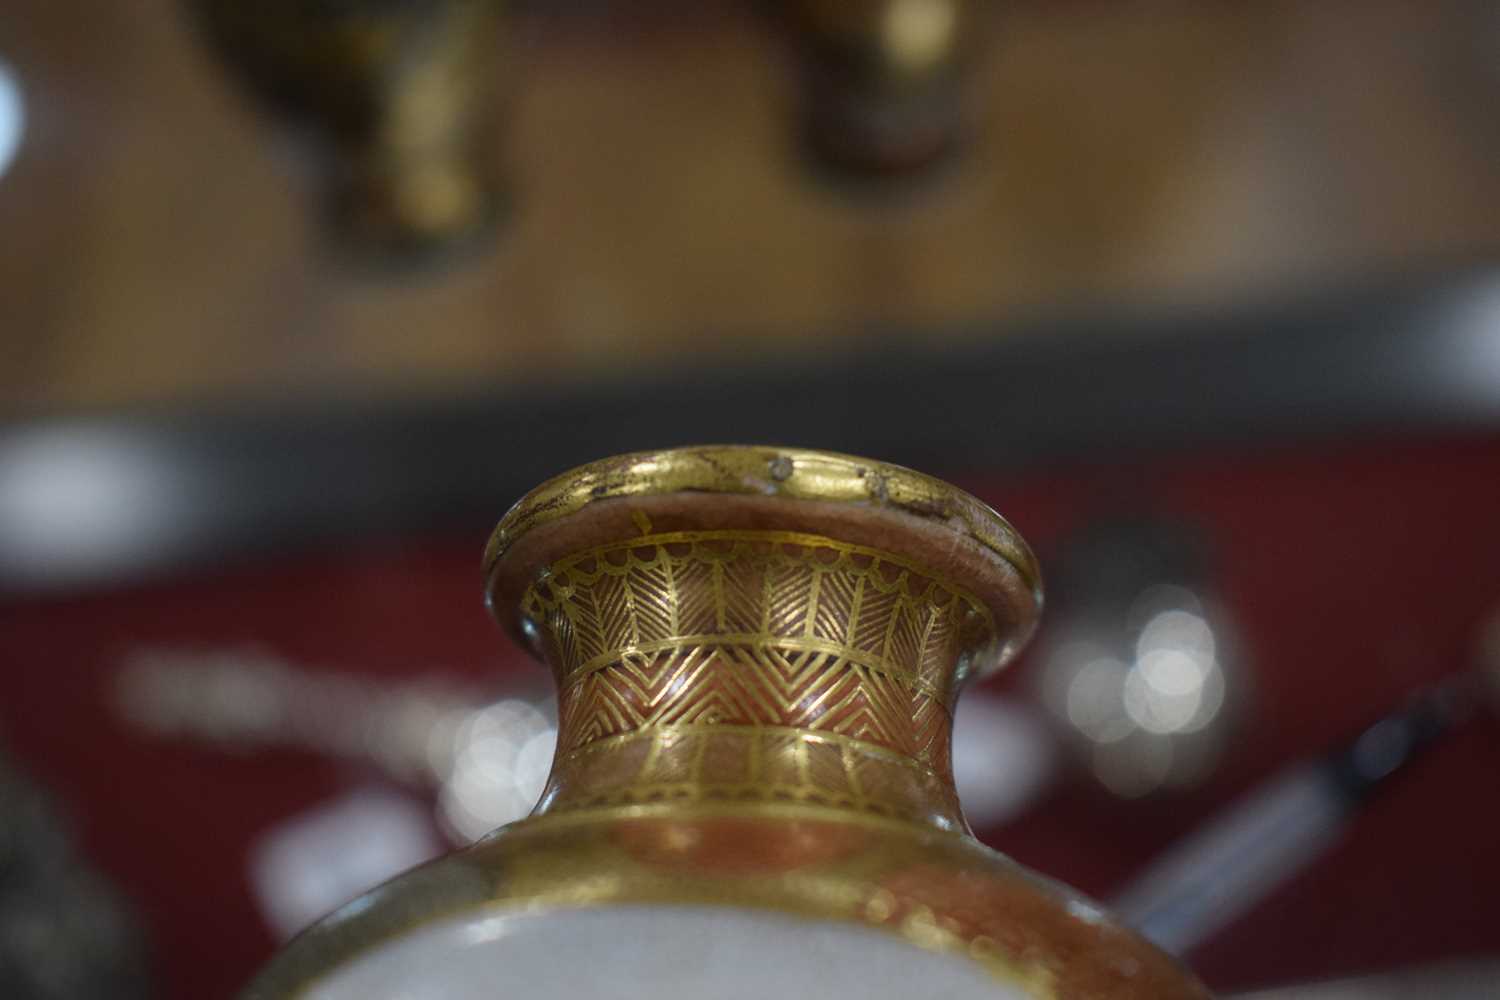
(1355, 573)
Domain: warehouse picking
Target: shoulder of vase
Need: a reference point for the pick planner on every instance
(940, 890)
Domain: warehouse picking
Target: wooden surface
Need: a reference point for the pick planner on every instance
(155, 245)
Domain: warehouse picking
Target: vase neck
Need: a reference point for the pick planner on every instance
(753, 667)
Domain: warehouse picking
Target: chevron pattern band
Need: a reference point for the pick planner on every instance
(787, 666)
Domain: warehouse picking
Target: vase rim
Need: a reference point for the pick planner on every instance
(781, 479)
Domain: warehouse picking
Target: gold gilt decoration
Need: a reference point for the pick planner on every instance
(779, 473)
(756, 678)
(753, 665)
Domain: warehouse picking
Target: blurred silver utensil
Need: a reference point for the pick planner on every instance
(1223, 870)
(487, 758)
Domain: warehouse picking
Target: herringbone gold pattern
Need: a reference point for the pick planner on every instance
(757, 647)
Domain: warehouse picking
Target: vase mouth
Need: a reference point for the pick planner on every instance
(857, 500)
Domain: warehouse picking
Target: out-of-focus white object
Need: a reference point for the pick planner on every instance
(76, 496)
(498, 766)
(1140, 684)
(487, 760)
(12, 116)
(316, 862)
(666, 953)
(1003, 756)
